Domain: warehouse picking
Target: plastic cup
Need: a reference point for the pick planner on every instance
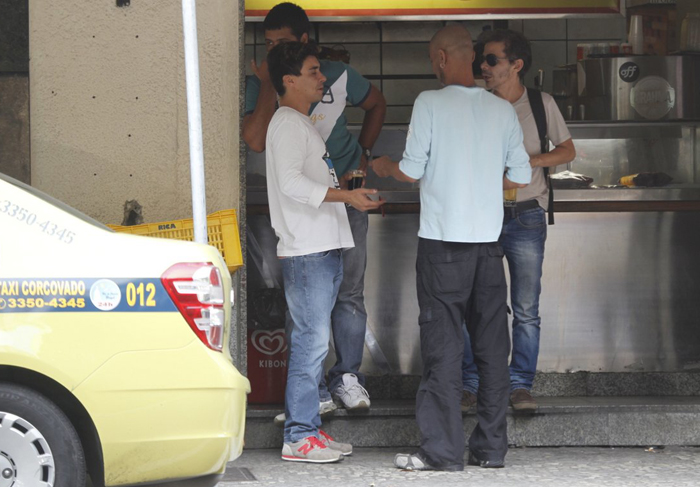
(510, 197)
(636, 36)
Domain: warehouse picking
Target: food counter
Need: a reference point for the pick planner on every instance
(620, 281)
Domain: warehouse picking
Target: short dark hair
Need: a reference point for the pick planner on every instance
(290, 15)
(516, 47)
(288, 58)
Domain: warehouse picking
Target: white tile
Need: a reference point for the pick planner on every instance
(571, 51)
(400, 115)
(404, 92)
(259, 33)
(348, 32)
(406, 58)
(248, 51)
(249, 33)
(364, 57)
(546, 55)
(354, 114)
(260, 54)
(544, 29)
(409, 31)
(613, 27)
(516, 25)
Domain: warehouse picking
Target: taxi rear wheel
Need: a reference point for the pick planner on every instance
(39, 444)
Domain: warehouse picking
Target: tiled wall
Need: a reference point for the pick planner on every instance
(394, 55)
(554, 40)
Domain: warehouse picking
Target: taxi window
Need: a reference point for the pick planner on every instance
(53, 201)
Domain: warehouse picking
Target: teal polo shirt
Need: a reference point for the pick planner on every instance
(343, 86)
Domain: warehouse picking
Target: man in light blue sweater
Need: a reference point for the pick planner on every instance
(465, 145)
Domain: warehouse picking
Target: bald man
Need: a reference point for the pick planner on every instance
(464, 145)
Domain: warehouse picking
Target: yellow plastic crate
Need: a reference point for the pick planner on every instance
(222, 231)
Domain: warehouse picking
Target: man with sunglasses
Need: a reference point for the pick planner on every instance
(506, 59)
(288, 22)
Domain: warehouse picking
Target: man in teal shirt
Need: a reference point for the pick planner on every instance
(288, 22)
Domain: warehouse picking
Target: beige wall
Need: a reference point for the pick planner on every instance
(108, 105)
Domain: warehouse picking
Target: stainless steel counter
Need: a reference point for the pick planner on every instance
(687, 194)
(620, 281)
(619, 290)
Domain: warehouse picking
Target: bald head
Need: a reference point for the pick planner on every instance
(454, 40)
(452, 54)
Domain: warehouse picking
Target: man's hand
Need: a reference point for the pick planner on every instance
(535, 161)
(383, 166)
(261, 70)
(360, 200)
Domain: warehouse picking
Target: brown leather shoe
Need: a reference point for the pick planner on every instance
(521, 400)
(468, 401)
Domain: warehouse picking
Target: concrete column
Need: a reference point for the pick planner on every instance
(108, 105)
(108, 111)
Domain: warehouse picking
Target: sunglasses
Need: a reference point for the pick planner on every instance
(492, 59)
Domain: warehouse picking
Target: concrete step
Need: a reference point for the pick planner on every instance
(680, 383)
(559, 421)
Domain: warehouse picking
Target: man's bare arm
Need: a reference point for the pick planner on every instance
(255, 124)
(385, 167)
(561, 154)
(375, 111)
(508, 184)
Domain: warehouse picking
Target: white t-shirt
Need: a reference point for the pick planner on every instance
(298, 178)
(557, 132)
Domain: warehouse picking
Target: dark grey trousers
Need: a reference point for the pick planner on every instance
(460, 282)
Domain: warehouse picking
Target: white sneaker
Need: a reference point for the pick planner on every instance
(310, 450)
(325, 408)
(351, 394)
(326, 439)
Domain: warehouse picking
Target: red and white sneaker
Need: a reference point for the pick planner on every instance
(326, 439)
(310, 450)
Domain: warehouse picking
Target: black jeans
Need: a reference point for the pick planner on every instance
(460, 282)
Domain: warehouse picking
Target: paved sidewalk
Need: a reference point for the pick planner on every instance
(567, 467)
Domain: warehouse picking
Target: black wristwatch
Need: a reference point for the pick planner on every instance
(367, 153)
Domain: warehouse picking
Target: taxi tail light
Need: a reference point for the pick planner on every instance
(198, 293)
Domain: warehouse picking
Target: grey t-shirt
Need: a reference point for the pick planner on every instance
(557, 132)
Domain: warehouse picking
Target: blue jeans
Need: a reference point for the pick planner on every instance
(349, 317)
(522, 239)
(311, 285)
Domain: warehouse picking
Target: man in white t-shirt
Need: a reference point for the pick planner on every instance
(308, 215)
(507, 57)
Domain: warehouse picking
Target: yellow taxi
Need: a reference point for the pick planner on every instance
(114, 361)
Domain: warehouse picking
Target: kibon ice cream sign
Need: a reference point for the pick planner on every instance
(437, 8)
